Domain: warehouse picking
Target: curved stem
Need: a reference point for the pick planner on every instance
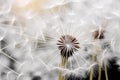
(91, 74)
(106, 74)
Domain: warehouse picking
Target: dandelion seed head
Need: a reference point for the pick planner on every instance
(68, 45)
(99, 34)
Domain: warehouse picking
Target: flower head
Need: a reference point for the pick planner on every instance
(99, 34)
(68, 45)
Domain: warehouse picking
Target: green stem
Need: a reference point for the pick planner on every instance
(106, 74)
(63, 64)
(91, 71)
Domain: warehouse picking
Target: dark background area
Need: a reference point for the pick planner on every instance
(113, 72)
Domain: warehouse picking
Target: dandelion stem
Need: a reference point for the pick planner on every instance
(91, 74)
(99, 72)
(91, 71)
(62, 64)
(106, 74)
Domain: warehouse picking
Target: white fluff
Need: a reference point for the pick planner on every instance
(31, 35)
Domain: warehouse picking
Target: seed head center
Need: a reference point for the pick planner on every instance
(68, 45)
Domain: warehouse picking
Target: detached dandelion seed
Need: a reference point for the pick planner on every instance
(67, 45)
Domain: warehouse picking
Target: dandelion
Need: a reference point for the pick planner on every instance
(99, 35)
(68, 45)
